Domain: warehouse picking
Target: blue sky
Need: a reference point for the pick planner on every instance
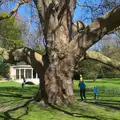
(80, 13)
(25, 12)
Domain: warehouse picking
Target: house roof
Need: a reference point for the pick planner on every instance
(21, 66)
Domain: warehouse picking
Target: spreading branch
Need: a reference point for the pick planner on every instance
(93, 55)
(101, 26)
(98, 28)
(14, 10)
(23, 54)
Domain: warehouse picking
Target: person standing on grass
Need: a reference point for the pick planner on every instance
(95, 90)
(82, 88)
(24, 80)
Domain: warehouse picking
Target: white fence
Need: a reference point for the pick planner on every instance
(35, 81)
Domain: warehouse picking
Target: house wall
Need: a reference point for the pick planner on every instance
(12, 73)
(17, 72)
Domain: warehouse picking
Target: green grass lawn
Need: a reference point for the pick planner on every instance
(15, 103)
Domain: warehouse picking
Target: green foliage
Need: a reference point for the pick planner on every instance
(89, 69)
(109, 72)
(1, 60)
(40, 49)
(1, 77)
(10, 33)
(112, 50)
(4, 68)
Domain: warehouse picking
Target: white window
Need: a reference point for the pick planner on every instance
(28, 73)
(17, 73)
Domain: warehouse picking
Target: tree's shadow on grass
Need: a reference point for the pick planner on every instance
(15, 96)
(107, 104)
(17, 92)
(10, 94)
(16, 88)
(73, 114)
(113, 101)
(6, 115)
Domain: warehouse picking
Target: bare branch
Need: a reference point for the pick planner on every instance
(40, 5)
(14, 10)
(88, 6)
(103, 59)
(83, 5)
(1, 2)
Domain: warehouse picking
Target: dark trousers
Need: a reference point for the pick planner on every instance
(95, 96)
(82, 94)
(22, 85)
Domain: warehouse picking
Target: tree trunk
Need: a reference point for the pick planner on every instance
(58, 82)
(57, 85)
(56, 22)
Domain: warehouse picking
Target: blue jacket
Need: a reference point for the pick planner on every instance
(95, 90)
(82, 85)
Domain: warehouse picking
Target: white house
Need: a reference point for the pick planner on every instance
(17, 72)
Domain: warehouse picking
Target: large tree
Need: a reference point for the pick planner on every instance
(66, 45)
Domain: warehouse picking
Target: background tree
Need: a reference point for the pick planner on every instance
(10, 36)
(90, 69)
(10, 33)
(112, 50)
(4, 68)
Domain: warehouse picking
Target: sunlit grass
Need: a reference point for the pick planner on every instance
(15, 104)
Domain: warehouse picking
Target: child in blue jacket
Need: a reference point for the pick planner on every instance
(95, 90)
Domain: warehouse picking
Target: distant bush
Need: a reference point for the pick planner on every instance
(90, 76)
(1, 77)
